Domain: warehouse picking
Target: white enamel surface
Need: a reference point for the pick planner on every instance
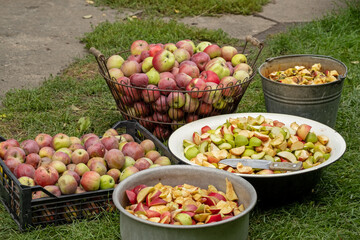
(336, 141)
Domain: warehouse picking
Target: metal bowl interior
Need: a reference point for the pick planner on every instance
(180, 174)
(272, 184)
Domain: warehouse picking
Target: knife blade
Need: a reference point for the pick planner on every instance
(263, 164)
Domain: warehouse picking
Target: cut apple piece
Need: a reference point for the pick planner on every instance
(221, 154)
(217, 195)
(225, 207)
(259, 155)
(207, 164)
(301, 155)
(143, 193)
(297, 146)
(237, 151)
(323, 139)
(205, 129)
(287, 155)
(203, 147)
(201, 217)
(225, 145)
(213, 218)
(277, 140)
(183, 218)
(261, 136)
(152, 214)
(131, 196)
(230, 193)
(216, 139)
(196, 138)
(189, 208)
(303, 130)
(157, 201)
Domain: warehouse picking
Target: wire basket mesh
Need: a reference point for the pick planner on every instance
(163, 110)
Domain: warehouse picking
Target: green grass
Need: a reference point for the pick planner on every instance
(187, 7)
(331, 212)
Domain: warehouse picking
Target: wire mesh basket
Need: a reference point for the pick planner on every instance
(162, 111)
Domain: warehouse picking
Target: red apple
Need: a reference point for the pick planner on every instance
(161, 132)
(227, 52)
(30, 146)
(114, 158)
(138, 46)
(167, 84)
(24, 169)
(46, 175)
(190, 69)
(160, 105)
(229, 82)
(187, 45)
(148, 145)
(143, 163)
(170, 47)
(61, 156)
(74, 174)
(213, 51)
(153, 155)
(15, 152)
(127, 137)
(201, 59)
(191, 104)
(160, 117)
(139, 79)
(134, 150)
(150, 94)
(182, 80)
(130, 67)
(114, 173)
(196, 87)
(110, 142)
(80, 156)
(205, 109)
(210, 76)
(90, 181)
(136, 58)
(96, 150)
(163, 61)
(141, 109)
(162, 161)
(46, 152)
(98, 167)
(144, 54)
(43, 140)
(52, 189)
(154, 49)
(12, 163)
(33, 159)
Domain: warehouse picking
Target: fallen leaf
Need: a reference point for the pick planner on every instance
(74, 108)
(89, 2)
(355, 62)
(176, 11)
(87, 16)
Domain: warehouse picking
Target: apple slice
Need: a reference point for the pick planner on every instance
(217, 195)
(189, 208)
(191, 214)
(183, 218)
(303, 131)
(157, 201)
(262, 137)
(143, 193)
(205, 129)
(137, 189)
(287, 155)
(230, 193)
(216, 139)
(237, 151)
(297, 146)
(152, 214)
(131, 196)
(213, 218)
(141, 209)
(196, 138)
(323, 139)
(165, 217)
(201, 217)
(211, 201)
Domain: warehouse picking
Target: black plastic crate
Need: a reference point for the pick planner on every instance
(28, 212)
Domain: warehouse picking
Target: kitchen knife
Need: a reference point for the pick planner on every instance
(263, 164)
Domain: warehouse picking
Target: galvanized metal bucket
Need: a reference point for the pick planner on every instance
(318, 102)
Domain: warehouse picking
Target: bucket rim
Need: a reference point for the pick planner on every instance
(341, 77)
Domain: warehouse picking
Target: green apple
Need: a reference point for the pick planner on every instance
(238, 58)
(154, 76)
(201, 46)
(147, 64)
(115, 61)
(163, 61)
(106, 182)
(241, 76)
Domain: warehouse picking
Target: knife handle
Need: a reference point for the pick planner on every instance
(285, 166)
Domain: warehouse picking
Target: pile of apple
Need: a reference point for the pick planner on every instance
(183, 204)
(177, 83)
(256, 138)
(68, 165)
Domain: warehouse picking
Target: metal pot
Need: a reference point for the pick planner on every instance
(132, 227)
(318, 102)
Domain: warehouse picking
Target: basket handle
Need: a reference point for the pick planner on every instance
(96, 52)
(254, 41)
